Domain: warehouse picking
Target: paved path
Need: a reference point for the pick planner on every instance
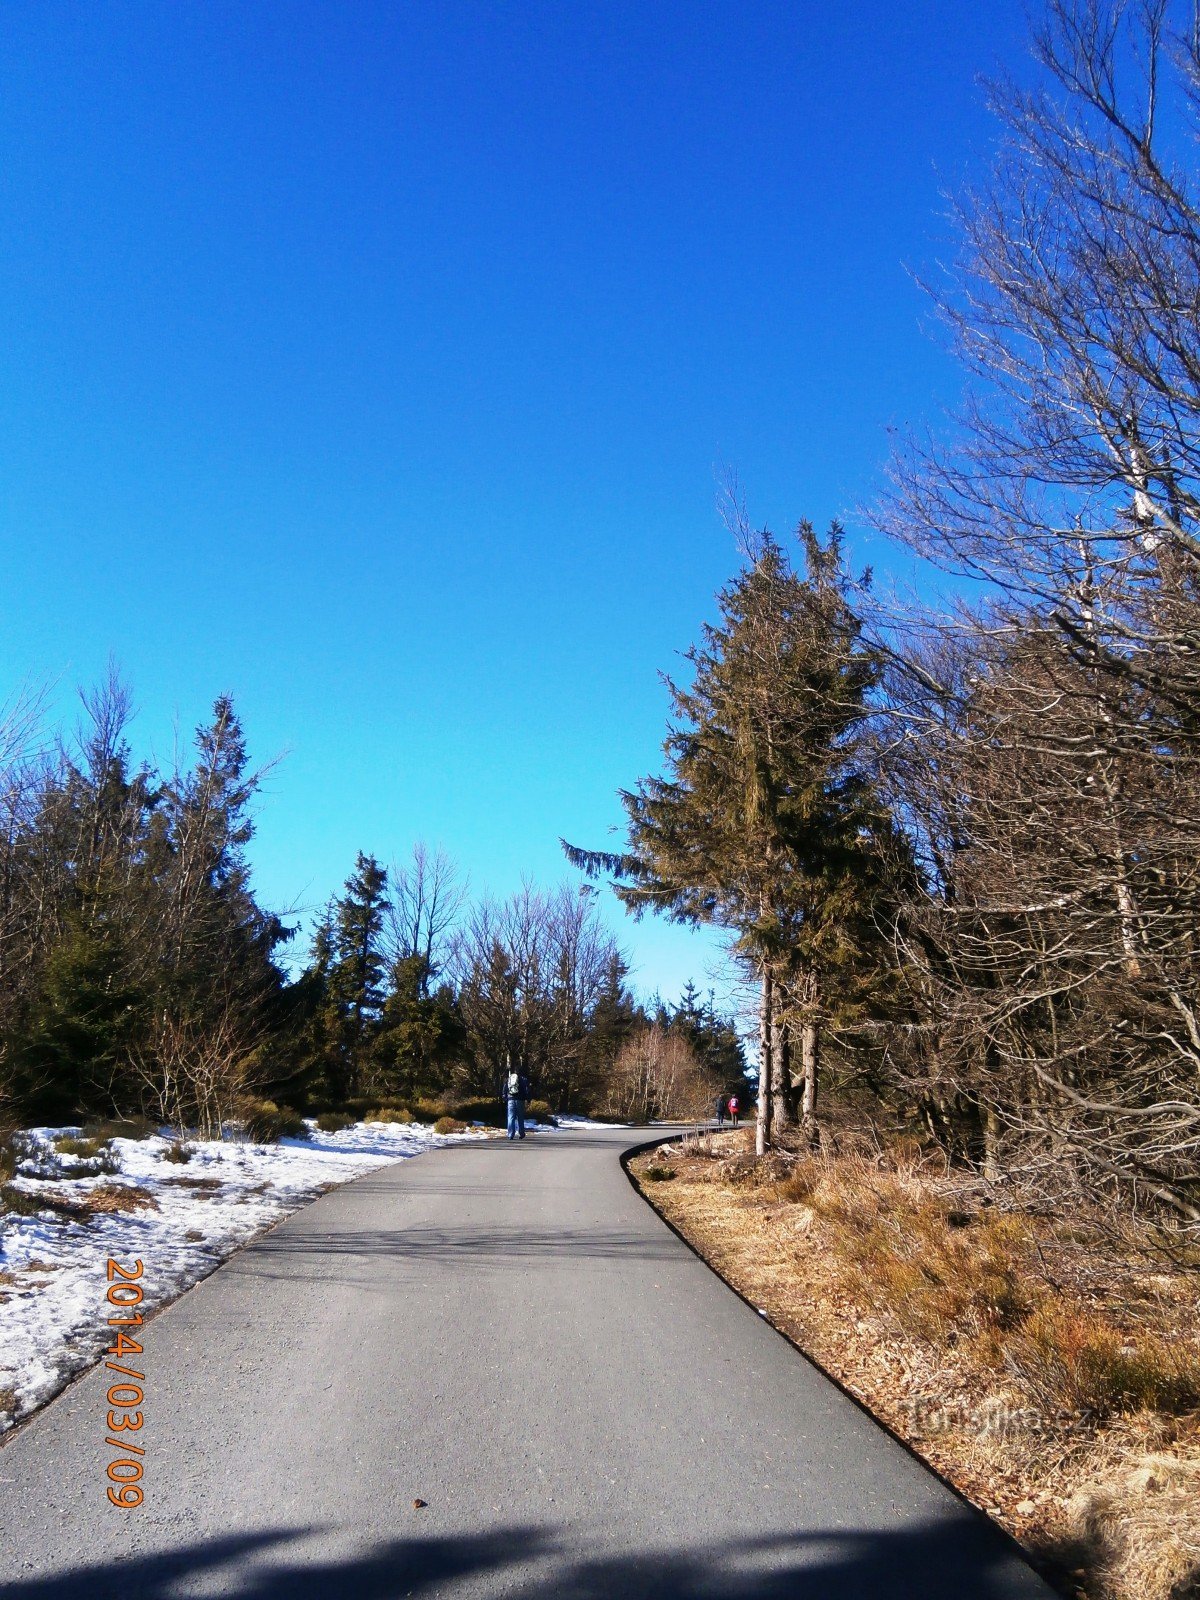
(509, 1333)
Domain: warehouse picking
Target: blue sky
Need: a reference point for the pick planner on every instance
(377, 363)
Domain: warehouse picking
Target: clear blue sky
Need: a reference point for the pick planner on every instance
(376, 362)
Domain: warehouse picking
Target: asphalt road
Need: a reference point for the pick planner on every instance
(507, 1332)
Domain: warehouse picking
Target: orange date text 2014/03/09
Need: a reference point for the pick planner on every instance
(125, 1394)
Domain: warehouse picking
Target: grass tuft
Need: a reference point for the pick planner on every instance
(401, 1115)
(449, 1125)
(267, 1123)
(119, 1128)
(68, 1144)
(335, 1121)
(96, 1157)
(798, 1188)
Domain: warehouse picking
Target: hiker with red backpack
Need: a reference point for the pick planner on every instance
(733, 1109)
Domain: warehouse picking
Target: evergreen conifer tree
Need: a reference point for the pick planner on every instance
(354, 986)
(766, 821)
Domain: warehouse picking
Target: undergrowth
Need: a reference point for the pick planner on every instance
(267, 1123)
(951, 1272)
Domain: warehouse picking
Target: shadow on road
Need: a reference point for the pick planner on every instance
(948, 1560)
(282, 1254)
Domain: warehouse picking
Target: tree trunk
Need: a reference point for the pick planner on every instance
(810, 1047)
(991, 1142)
(762, 1134)
(783, 1105)
(810, 1055)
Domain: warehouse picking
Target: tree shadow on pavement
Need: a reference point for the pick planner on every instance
(282, 1253)
(957, 1558)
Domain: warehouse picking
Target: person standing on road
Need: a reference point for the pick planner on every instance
(721, 1108)
(517, 1091)
(734, 1108)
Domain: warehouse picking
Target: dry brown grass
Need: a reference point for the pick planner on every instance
(119, 1197)
(1077, 1359)
(23, 1203)
(1052, 1376)
(935, 1268)
(69, 1145)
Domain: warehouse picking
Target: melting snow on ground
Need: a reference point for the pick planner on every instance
(53, 1265)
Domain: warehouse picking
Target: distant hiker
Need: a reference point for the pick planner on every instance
(517, 1092)
(733, 1109)
(722, 1107)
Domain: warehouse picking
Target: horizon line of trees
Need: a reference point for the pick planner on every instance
(139, 975)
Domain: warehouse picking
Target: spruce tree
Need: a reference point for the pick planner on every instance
(765, 821)
(357, 969)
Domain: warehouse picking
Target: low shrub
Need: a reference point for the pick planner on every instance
(659, 1174)
(449, 1125)
(798, 1187)
(492, 1113)
(178, 1152)
(118, 1128)
(68, 1145)
(1063, 1356)
(335, 1121)
(23, 1204)
(539, 1111)
(700, 1147)
(428, 1110)
(267, 1123)
(756, 1172)
(934, 1279)
(398, 1114)
(19, 1201)
(93, 1157)
(103, 1165)
(13, 1148)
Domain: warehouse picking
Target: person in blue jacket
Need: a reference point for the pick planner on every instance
(516, 1089)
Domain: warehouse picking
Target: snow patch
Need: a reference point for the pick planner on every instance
(53, 1265)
